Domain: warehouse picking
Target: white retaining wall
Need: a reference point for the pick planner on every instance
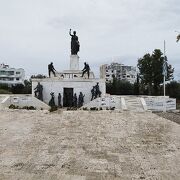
(57, 85)
(22, 100)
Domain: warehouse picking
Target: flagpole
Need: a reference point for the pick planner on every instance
(164, 101)
(164, 72)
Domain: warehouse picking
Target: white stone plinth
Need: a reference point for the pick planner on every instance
(57, 85)
(74, 62)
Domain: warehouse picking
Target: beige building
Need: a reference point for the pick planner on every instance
(120, 71)
(11, 76)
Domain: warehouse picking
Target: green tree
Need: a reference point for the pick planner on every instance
(119, 87)
(151, 71)
(27, 87)
(173, 89)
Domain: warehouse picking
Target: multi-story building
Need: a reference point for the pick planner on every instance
(120, 71)
(11, 76)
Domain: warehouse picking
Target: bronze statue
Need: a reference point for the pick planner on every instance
(81, 100)
(51, 69)
(86, 69)
(38, 91)
(52, 100)
(75, 46)
(97, 90)
(59, 100)
(75, 101)
(93, 93)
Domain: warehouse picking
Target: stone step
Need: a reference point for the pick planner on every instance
(118, 103)
(134, 104)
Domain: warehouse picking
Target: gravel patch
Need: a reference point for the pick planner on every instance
(173, 116)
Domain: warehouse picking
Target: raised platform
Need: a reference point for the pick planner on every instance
(67, 87)
(74, 74)
(132, 103)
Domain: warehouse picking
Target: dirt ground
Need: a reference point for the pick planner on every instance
(84, 145)
(173, 116)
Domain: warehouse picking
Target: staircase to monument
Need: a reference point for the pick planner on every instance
(131, 103)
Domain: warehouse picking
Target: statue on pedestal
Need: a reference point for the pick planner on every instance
(75, 46)
(38, 91)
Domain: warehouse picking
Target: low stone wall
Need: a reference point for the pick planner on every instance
(133, 103)
(21, 101)
(160, 103)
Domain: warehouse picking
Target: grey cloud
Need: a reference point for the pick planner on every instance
(37, 31)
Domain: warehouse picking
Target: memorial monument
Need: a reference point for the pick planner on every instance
(71, 87)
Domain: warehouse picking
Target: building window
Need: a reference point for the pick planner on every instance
(17, 79)
(11, 79)
(18, 72)
(2, 73)
(10, 72)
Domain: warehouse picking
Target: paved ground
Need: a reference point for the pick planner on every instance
(88, 145)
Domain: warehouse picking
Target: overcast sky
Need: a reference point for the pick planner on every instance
(35, 32)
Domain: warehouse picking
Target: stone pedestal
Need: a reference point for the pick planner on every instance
(76, 85)
(74, 62)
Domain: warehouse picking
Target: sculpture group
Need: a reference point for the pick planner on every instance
(68, 99)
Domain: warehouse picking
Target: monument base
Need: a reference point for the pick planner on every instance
(67, 88)
(74, 62)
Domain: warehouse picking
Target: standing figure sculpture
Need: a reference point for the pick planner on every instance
(93, 93)
(59, 100)
(97, 90)
(86, 69)
(75, 46)
(75, 101)
(51, 69)
(38, 91)
(52, 100)
(80, 100)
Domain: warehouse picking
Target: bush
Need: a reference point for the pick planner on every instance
(173, 89)
(119, 87)
(4, 91)
(94, 109)
(29, 107)
(85, 108)
(12, 106)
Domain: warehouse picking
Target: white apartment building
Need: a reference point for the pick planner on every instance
(120, 71)
(11, 76)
